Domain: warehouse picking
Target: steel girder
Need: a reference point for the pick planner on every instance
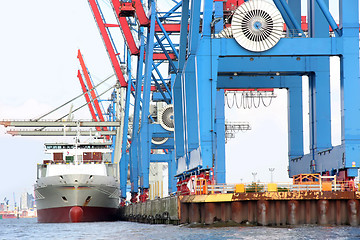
(211, 60)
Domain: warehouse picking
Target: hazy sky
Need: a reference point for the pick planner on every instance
(38, 66)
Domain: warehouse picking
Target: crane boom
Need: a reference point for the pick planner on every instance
(90, 86)
(87, 97)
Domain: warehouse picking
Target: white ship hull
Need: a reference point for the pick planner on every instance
(95, 198)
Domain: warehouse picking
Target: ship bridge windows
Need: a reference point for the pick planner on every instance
(59, 146)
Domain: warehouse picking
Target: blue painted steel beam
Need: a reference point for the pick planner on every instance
(287, 47)
(162, 80)
(124, 156)
(183, 34)
(206, 77)
(194, 26)
(178, 100)
(190, 110)
(160, 158)
(219, 14)
(207, 18)
(186, 108)
(172, 173)
(318, 27)
(165, 52)
(158, 129)
(219, 165)
(166, 35)
(325, 10)
(312, 116)
(295, 7)
(160, 89)
(168, 145)
(145, 130)
(178, 118)
(295, 117)
(236, 82)
(171, 11)
(295, 23)
(346, 156)
(319, 87)
(294, 65)
(136, 118)
(157, 97)
(288, 22)
(323, 98)
(350, 85)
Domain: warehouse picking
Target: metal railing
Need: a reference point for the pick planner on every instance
(204, 189)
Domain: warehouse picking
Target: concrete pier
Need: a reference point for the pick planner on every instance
(266, 209)
(165, 210)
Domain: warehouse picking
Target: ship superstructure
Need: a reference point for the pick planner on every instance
(79, 183)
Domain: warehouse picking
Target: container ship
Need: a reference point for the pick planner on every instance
(8, 214)
(79, 184)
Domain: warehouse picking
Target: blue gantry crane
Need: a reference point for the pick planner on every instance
(186, 53)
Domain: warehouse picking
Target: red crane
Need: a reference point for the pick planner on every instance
(92, 92)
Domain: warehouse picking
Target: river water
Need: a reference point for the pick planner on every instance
(30, 229)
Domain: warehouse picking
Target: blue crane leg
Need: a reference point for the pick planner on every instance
(320, 82)
(145, 131)
(124, 158)
(295, 117)
(219, 14)
(136, 117)
(323, 108)
(206, 76)
(177, 88)
(172, 172)
(194, 26)
(220, 169)
(350, 84)
(178, 115)
(189, 89)
(207, 17)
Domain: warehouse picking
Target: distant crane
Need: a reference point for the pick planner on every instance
(6, 203)
(15, 206)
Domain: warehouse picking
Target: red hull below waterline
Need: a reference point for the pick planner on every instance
(89, 214)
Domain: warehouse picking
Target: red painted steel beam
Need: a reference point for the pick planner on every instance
(140, 13)
(162, 56)
(107, 42)
(129, 39)
(134, 50)
(90, 86)
(169, 27)
(111, 25)
(124, 26)
(87, 98)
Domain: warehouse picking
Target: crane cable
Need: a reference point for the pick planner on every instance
(37, 119)
(247, 100)
(92, 100)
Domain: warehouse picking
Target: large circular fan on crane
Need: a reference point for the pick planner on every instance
(159, 140)
(257, 25)
(166, 117)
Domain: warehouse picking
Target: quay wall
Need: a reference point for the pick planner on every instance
(266, 209)
(164, 210)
